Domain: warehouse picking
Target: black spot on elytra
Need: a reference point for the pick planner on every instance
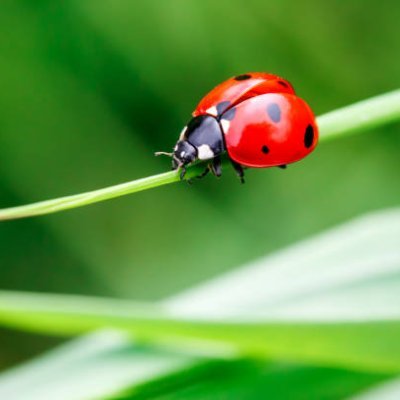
(242, 77)
(274, 112)
(309, 136)
(230, 114)
(221, 107)
(283, 84)
(265, 149)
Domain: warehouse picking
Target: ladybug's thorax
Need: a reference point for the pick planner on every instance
(201, 139)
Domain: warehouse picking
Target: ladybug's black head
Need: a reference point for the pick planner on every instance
(184, 154)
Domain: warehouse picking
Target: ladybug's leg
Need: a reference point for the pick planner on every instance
(204, 173)
(239, 170)
(190, 181)
(283, 166)
(216, 166)
(183, 172)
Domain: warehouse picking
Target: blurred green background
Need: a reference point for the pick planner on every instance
(90, 89)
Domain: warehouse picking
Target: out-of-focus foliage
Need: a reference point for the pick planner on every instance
(90, 89)
(342, 320)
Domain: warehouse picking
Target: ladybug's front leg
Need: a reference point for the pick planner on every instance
(182, 173)
(239, 170)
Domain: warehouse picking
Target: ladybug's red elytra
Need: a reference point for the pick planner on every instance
(256, 118)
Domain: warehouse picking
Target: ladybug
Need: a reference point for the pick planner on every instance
(256, 118)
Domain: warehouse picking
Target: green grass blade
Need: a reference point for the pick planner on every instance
(83, 199)
(364, 115)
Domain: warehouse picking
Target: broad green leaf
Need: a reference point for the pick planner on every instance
(318, 302)
(107, 365)
(366, 343)
(357, 264)
(390, 390)
(91, 367)
(277, 382)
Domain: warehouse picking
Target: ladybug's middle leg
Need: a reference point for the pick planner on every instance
(216, 167)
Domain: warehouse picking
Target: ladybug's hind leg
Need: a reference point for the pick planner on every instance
(216, 167)
(239, 170)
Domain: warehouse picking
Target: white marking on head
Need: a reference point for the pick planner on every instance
(182, 154)
(212, 111)
(204, 152)
(182, 134)
(225, 125)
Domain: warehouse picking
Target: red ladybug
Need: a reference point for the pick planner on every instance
(256, 118)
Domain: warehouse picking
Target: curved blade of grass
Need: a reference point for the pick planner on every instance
(366, 114)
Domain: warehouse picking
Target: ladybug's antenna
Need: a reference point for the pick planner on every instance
(163, 153)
